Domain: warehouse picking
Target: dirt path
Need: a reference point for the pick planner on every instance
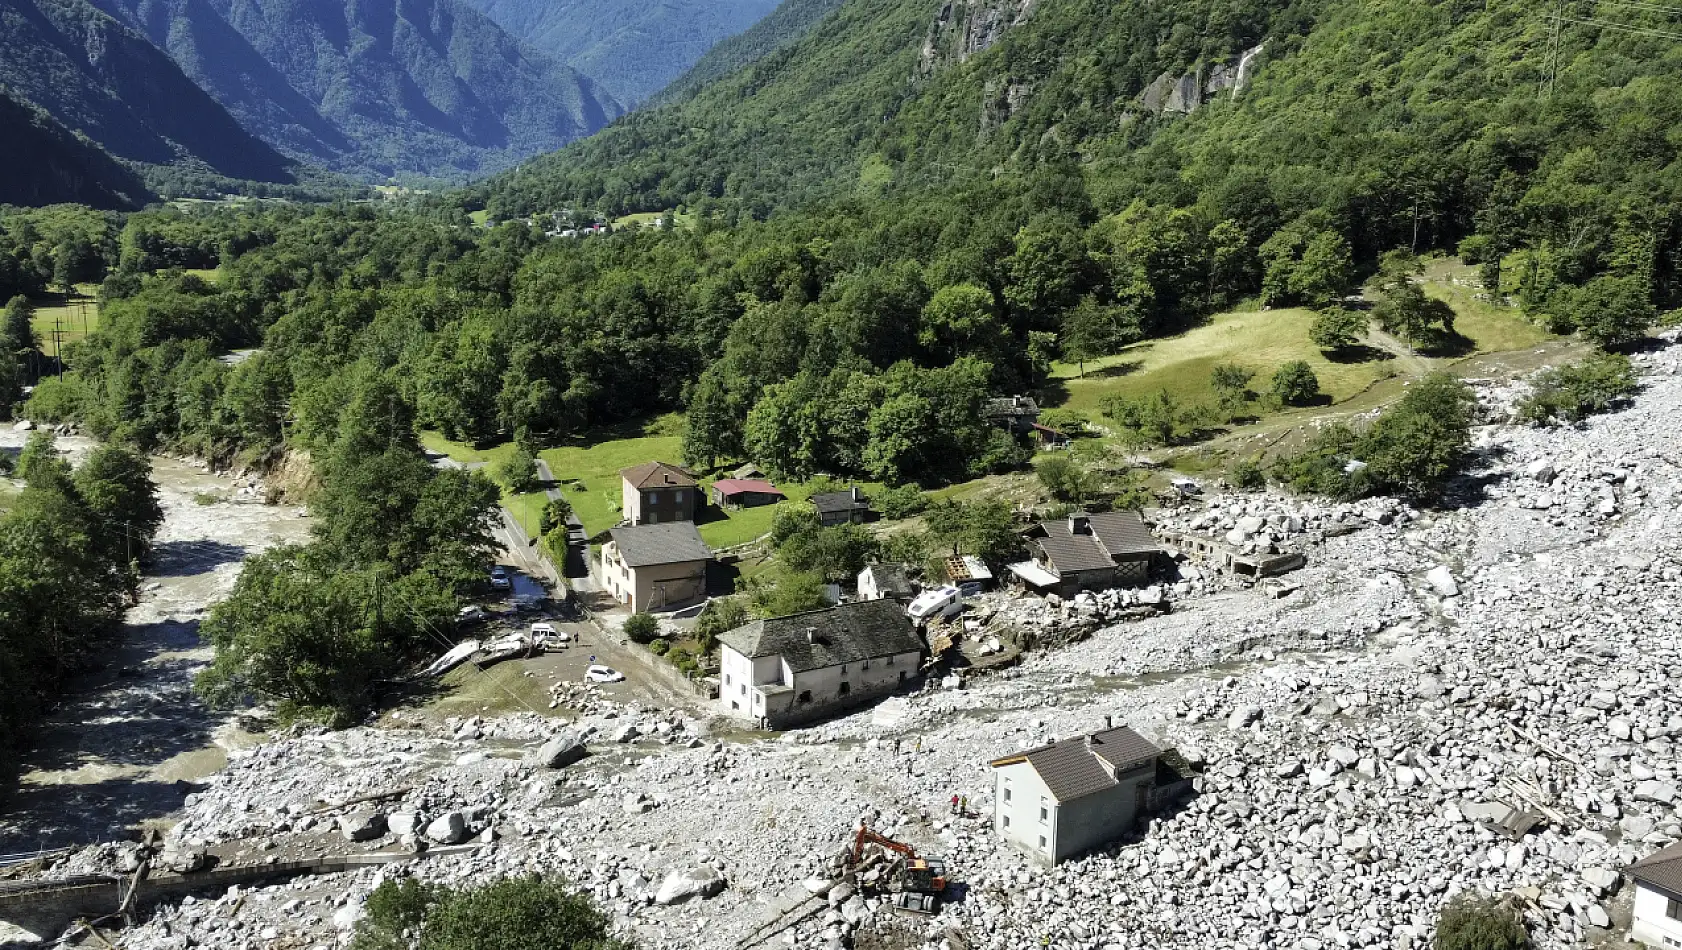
(1409, 361)
(130, 733)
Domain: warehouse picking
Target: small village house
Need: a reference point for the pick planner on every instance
(1089, 552)
(841, 507)
(657, 493)
(654, 566)
(744, 493)
(806, 666)
(878, 581)
(1065, 798)
(1051, 438)
(1656, 914)
(749, 470)
(1013, 414)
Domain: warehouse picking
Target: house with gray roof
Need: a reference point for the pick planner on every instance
(789, 670)
(656, 566)
(1089, 552)
(1065, 798)
(1656, 913)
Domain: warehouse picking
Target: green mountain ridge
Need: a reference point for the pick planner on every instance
(427, 88)
(632, 48)
(98, 78)
(44, 163)
(791, 20)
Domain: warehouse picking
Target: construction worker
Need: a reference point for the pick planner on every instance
(954, 804)
(963, 805)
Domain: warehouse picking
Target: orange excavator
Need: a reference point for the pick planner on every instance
(917, 882)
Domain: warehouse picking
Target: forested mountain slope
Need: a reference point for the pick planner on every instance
(44, 163)
(788, 22)
(1407, 122)
(632, 48)
(99, 78)
(377, 88)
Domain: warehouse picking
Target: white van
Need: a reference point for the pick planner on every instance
(939, 602)
(546, 636)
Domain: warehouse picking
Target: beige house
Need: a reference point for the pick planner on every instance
(653, 566)
(657, 493)
(1066, 798)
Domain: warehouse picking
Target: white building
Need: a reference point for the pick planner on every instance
(794, 669)
(1656, 919)
(1063, 799)
(877, 581)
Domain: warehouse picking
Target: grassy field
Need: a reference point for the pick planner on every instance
(681, 219)
(589, 477)
(479, 217)
(1263, 340)
(75, 317)
(1257, 340)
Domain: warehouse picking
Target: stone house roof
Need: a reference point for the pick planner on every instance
(674, 542)
(889, 578)
(657, 475)
(1661, 869)
(1089, 542)
(850, 633)
(838, 501)
(1084, 765)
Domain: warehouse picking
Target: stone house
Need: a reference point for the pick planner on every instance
(806, 666)
(1067, 797)
(1013, 414)
(1090, 552)
(652, 566)
(841, 507)
(1656, 914)
(657, 493)
(877, 581)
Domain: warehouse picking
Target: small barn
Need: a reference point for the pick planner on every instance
(744, 493)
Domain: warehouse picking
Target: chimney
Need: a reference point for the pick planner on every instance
(811, 634)
(856, 495)
(1080, 523)
(1109, 722)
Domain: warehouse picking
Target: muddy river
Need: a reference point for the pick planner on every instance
(130, 736)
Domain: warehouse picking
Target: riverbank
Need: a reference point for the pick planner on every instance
(129, 736)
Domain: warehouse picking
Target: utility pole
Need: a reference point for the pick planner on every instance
(1553, 53)
(58, 343)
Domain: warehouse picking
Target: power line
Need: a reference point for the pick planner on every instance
(1646, 5)
(1646, 31)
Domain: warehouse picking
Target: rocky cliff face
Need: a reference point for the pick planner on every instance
(964, 28)
(1184, 94)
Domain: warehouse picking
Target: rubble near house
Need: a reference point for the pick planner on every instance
(1264, 534)
(1364, 750)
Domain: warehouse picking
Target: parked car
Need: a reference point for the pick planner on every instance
(545, 635)
(499, 579)
(468, 616)
(603, 674)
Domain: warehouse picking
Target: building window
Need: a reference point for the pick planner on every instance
(744, 689)
(843, 667)
(735, 705)
(648, 498)
(890, 661)
(865, 665)
(1007, 792)
(1045, 811)
(758, 700)
(1007, 821)
(805, 696)
(1042, 842)
(1673, 909)
(846, 687)
(727, 679)
(902, 676)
